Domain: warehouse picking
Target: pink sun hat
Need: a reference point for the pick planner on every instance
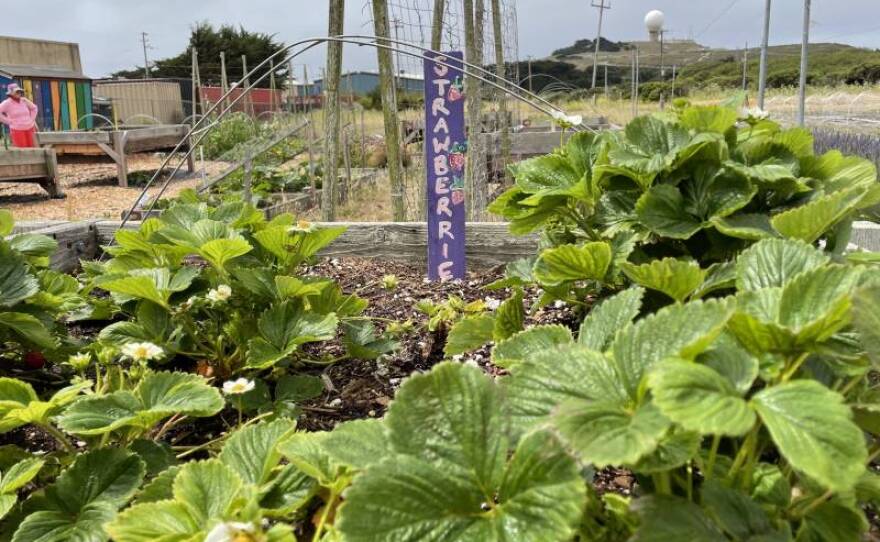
(12, 88)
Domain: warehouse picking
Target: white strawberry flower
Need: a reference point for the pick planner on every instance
(302, 226)
(142, 351)
(80, 361)
(238, 387)
(755, 113)
(230, 531)
(492, 303)
(564, 120)
(220, 294)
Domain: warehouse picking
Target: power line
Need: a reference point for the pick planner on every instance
(718, 18)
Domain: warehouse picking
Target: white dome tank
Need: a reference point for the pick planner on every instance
(654, 23)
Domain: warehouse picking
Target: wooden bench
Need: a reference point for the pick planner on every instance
(31, 166)
(118, 144)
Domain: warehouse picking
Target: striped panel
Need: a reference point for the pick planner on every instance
(71, 105)
(28, 89)
(56, 104)
(37, 87)
(87, 95)
(65, 106)
(81, 106)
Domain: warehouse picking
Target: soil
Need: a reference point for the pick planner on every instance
(360, 388)
(92, 189)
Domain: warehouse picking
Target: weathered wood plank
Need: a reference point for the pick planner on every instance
(22, 157)
(866, 235)
(72, 138)
(76, 241)
(488, 243)
(25, 226)
(178, 131)
(527, 145)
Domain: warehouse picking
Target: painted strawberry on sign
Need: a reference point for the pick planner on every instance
(457, 197)
(456, 90)
(457, 156)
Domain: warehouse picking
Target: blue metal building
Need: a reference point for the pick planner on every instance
(361, 83)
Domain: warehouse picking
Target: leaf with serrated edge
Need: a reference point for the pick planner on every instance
(451, 416)
(608, 317)
(699, 399)
(773, 262)
(605, 434)
(537, 386)
(529, 343)
(676, 278)
(251, 451)
(572, 262)
(406, 499)
(813, 429)
(677, 330)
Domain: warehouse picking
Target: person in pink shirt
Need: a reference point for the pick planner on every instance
(20, 115)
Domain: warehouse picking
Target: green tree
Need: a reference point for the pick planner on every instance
(210, 42)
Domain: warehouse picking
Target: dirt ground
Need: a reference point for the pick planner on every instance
(92, 190)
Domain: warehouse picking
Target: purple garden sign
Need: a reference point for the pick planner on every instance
(445, 148)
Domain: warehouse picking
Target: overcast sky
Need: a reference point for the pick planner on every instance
(108, 31)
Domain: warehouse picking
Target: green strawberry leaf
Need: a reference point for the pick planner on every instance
(813, 428)
(699, 399)
(676, 278)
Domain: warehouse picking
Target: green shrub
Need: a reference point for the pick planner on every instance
(232, 131)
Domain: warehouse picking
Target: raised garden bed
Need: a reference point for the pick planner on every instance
(117, 144)
(689, 353)
(31, 166)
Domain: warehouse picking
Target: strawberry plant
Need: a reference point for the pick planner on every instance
(34, 299)
(699, 184)
(221, 285)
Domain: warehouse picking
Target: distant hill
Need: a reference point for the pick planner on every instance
(588, 46)
(699, 66)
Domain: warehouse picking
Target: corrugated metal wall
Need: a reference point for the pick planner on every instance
(136, 102)
(259, 100)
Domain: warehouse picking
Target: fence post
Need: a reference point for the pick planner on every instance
(247, 181)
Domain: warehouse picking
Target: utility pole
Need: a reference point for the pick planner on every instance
(673, 81)
(601, 7)
(805, 43)
(746, 67)
(145, 42)
(762, 75)
(637, 81)
(632, 83)
(224, 83)
(606, 80)
(662, 69)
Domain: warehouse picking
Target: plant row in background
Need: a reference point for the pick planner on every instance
(724, 355)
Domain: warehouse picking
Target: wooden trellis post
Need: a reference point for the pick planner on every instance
(331, 111)
(437, 25)
(389, 111)
(475, 189)
(501, 71)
